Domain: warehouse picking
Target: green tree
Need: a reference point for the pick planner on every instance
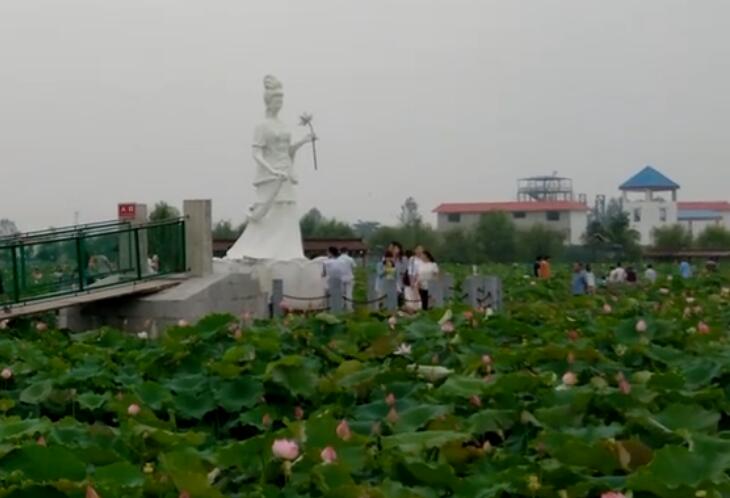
(458, 246)
(365, 229)
(672, 238)
(224, 230)
(8, 227)
(309, 222)
(539, 240)
(495, 238)
(164, 241)
(410, 216)
(163, 212)
(611, 231)
(714, 238)
(316, 226)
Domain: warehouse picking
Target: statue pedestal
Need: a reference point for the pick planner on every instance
(305, 288)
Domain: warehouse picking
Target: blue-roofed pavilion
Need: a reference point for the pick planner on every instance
(650, 180)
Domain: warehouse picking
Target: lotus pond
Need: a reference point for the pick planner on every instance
(617, 395)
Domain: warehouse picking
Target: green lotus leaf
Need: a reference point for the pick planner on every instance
(37, 392)
(119, 475)
(44, 464)
(92, 401)
(234, 395)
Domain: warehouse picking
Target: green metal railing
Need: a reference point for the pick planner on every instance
(53, 263)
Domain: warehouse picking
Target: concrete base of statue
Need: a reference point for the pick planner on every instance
(304, 286)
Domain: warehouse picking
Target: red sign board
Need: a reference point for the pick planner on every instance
(127, 211)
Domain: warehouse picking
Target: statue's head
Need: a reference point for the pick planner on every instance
(273, 94)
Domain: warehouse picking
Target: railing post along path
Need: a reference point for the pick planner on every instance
(199, 237)
(436, 293)
(336, 295)
(277, 296)
(373, 297)
(391, 294)
(483, 292)
(471, 288)
(448, 285)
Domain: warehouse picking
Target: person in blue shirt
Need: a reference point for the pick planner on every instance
(685, 269)
(579, 283)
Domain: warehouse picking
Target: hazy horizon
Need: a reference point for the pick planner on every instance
(149, 100)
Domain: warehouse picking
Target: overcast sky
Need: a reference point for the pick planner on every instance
(104, 101)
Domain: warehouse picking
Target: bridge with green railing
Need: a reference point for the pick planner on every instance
(54, 268)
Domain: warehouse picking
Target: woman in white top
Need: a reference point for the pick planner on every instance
(428, 271)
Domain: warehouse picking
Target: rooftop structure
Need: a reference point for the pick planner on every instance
(545, 188)
(649, 180)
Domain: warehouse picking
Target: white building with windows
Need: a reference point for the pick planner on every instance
(541, 200)
(568, 217)
(650, 198)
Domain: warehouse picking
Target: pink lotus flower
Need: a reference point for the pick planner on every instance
(393, 416)
(613, 494)
(468, 315)
(573, 335)
(328, 455)
(486, 360)
(641, 326)
(475, 401)
(285, 449)
(133, 409)
(447, 328)
(390, 399)
(41, 441)
(392, 322)
(343, 431)
(607, 309)
(41, 327)
(298, 413)
(182, 323)
(6, 374)
(623, 385)
(570, 379)
(703, 328)
(91, 492)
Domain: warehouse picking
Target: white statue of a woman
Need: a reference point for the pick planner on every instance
(272, 230)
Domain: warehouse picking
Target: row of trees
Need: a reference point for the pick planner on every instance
(679, 238)
(494, 237)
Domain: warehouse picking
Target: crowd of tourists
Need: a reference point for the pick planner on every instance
(413, 272)
(584, 280)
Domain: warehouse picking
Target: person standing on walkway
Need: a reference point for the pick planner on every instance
(685, 269)
(428, 271)
(590, 280)
(650, 274)
(579, 285)
(545, 268)
(348, 276)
